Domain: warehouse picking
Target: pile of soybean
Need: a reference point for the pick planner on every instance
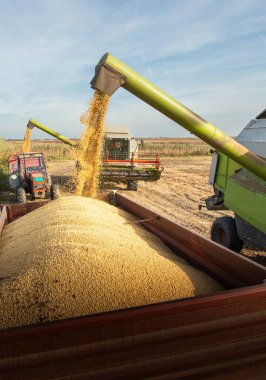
(77, 256)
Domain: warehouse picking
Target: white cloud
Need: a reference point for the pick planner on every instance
(209, 55)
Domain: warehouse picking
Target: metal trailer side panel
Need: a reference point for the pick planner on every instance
(203, 337)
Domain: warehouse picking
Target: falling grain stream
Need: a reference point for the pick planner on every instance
(26, 142)
(89, 152)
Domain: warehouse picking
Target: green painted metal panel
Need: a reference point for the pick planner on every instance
(221, 171)
(225, 168)
(246, 196)
(233, 167)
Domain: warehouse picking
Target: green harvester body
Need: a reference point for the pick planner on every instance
(238, 175)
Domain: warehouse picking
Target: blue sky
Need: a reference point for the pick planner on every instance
(208, 54)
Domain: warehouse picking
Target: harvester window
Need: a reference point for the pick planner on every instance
(117, 149)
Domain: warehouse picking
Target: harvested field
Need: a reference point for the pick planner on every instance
(178, 193)
(87, 257)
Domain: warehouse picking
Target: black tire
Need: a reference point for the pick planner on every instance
(132, 185)
(224, 232)
(55, 191)
(21, 195)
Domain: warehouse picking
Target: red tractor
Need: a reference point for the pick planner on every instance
(27, 174)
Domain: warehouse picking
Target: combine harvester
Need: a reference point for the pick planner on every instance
(120, 162)
(237, 174)
(220, 336)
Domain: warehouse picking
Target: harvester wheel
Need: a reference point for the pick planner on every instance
(132, 185)
(55, 191)
(21, 195)
(224, 232)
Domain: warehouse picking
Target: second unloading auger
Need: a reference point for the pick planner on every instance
(240, 175)
(33, 123)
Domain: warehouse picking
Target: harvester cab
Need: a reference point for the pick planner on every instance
(28, 175)
(118, 144)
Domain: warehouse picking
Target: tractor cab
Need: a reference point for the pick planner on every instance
(24, 167)
(27, 174)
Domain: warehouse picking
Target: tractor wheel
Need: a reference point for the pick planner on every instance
(132, 185)
(224, 232)
(55, 191)
(21, 195)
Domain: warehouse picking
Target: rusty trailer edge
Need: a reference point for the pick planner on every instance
(202, 336)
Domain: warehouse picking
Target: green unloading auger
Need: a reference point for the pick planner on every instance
(111, 73)
(32, 123)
